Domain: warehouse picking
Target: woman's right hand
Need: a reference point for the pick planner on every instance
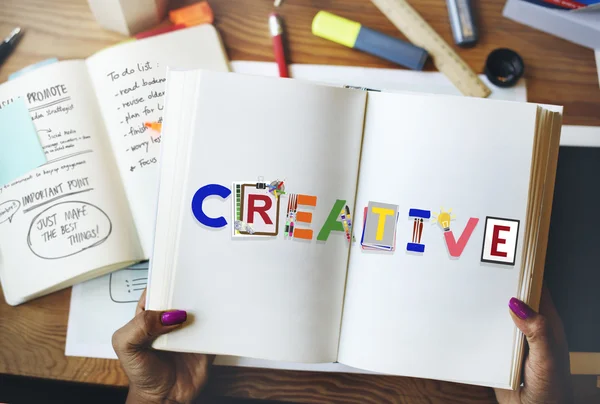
(547, 377)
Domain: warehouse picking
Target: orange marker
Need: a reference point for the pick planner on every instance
(154, 126)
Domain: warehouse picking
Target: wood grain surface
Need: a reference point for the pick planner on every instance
(32, 336)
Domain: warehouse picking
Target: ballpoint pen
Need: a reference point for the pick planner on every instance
(287, 216)
(9, 43)
(346, 222)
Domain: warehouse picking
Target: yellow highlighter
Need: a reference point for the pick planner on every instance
(353, 35)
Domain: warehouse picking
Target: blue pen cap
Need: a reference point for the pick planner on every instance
(390, 48)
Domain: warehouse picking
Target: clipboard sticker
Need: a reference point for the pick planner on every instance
(255, 210)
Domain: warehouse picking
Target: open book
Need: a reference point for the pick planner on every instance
(90, 209)
(387, 232)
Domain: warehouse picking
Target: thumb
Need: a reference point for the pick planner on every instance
(145, 327)
(535, 327)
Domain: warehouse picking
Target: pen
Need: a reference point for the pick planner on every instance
(348, 217)
(9, 43)
(277, 34)
(347, 222)
(287, 216)
(462, 20)
(293, 215)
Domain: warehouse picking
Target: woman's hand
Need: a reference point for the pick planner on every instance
(158, 376)
(547, 377)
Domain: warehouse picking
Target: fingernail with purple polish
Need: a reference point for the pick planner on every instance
(173, 317)
(522, 310)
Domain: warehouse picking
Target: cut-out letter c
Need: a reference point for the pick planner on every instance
(198, 201)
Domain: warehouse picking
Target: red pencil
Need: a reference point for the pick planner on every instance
(566, 4)
(277, 33)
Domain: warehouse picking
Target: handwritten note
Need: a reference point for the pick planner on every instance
(66, 229)
(139, 96)
(130, 82)
(71, 206)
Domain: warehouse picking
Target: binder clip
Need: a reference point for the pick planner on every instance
(261, 184)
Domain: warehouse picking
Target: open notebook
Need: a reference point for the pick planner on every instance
(415, 218)
(90, 209)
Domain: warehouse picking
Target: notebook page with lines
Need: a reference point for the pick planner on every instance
(72, 219)
(90, 209)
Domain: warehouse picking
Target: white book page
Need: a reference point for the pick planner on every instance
(71, 215)
(264, 297)
(100, 307)
(430, 315)
(130, 82)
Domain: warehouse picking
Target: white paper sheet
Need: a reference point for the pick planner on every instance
(378, 79)
(83, 344)
(100, 307)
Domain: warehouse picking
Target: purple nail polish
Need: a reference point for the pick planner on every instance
(173, 317)
(522, 310)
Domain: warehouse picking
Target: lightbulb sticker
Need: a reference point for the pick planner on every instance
(455, 248)
(443, 219)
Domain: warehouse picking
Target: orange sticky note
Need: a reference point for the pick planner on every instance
(196, 14)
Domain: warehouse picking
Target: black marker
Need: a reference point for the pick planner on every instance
(9, 43)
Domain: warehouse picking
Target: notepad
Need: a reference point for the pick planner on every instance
(90, 208)
(20, 150)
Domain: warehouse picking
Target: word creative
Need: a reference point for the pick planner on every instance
(257, 211)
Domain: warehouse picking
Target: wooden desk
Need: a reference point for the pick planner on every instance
(32, 336)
